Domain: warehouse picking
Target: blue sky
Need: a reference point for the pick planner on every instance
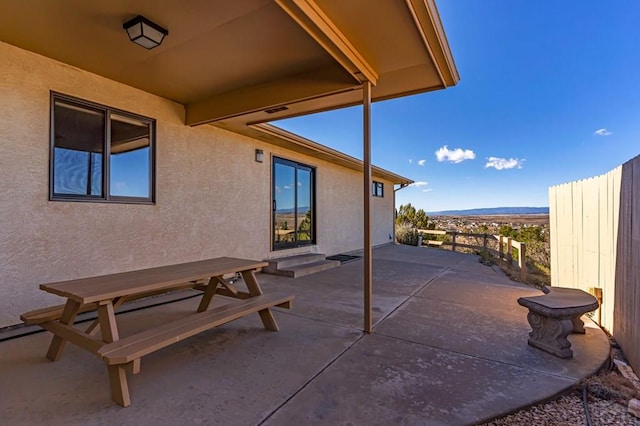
(549, 93)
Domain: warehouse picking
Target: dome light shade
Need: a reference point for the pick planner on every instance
(144, 32)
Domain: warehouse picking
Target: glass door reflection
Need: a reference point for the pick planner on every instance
(293, 204)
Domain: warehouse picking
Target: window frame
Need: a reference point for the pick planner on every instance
(106, 172)
(377, 189)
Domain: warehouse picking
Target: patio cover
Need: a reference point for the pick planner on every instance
(235, 64)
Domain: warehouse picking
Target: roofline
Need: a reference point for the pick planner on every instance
(321, 151)
(427, 18)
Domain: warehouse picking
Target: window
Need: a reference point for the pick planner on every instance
(100, 153)
(378, 189)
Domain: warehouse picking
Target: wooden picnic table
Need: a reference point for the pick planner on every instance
(106, 293)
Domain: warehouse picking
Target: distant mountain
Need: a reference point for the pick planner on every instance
(301, 210)
(492, 211)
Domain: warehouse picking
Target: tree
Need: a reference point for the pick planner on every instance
(527, 234)
(530, 234)
(507, 231)
(304, 230)
(407, 215)
(421, 220)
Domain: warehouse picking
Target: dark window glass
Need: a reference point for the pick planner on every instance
(79, 143)
(378, 189)
(99, 153)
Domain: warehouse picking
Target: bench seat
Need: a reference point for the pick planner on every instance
(554, 315)
(51, 313)
(124, 354)
(138, 345)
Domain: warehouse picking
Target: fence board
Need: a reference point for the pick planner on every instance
(565, 236)
(606, 239)
(576, 198)
(589, 272)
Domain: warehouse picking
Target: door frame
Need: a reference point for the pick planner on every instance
(275, 246)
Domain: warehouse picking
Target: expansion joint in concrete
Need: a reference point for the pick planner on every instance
(308, 382)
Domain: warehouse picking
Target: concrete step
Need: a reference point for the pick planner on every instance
(301, 270)
(290, 261)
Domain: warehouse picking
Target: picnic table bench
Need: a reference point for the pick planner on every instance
(105, 294)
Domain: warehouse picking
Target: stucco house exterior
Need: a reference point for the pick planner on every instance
(115, 158)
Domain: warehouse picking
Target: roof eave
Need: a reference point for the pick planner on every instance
(300, 144)
(427, 18)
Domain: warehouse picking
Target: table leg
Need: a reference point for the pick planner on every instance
(69, 314)
(94, 327)
(108, 325)
(266, 316)
(209, 292)
(217, 284)
(251, 281)
(119, 386)
(117, 373)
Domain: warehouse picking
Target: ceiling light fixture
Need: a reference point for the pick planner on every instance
(144, 32)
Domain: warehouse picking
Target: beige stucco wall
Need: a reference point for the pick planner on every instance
(212, 198)
(382, 219)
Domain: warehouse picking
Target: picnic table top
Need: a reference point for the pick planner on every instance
(107, 287)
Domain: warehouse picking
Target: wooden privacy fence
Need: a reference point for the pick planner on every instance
(504, 252)
(595, 246)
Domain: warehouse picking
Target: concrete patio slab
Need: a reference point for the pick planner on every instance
(493, 333)
(386, 381)
(421, 255)
(481, 292)
(336, 295)
(449, 347)
(333, 297)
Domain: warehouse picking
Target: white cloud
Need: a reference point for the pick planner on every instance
(420, 184)
(410, 161)
(287, 187)
(602, 132)
(457, 155)
(503, 164)
(421, 162)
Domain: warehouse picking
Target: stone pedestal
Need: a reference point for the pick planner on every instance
(550, 334)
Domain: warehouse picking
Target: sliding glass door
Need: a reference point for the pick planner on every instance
(293, 201)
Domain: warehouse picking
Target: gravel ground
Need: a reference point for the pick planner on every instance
(568, 410)
(608, 395)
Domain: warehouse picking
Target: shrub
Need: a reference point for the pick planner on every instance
(407, 235)
(486, 258)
